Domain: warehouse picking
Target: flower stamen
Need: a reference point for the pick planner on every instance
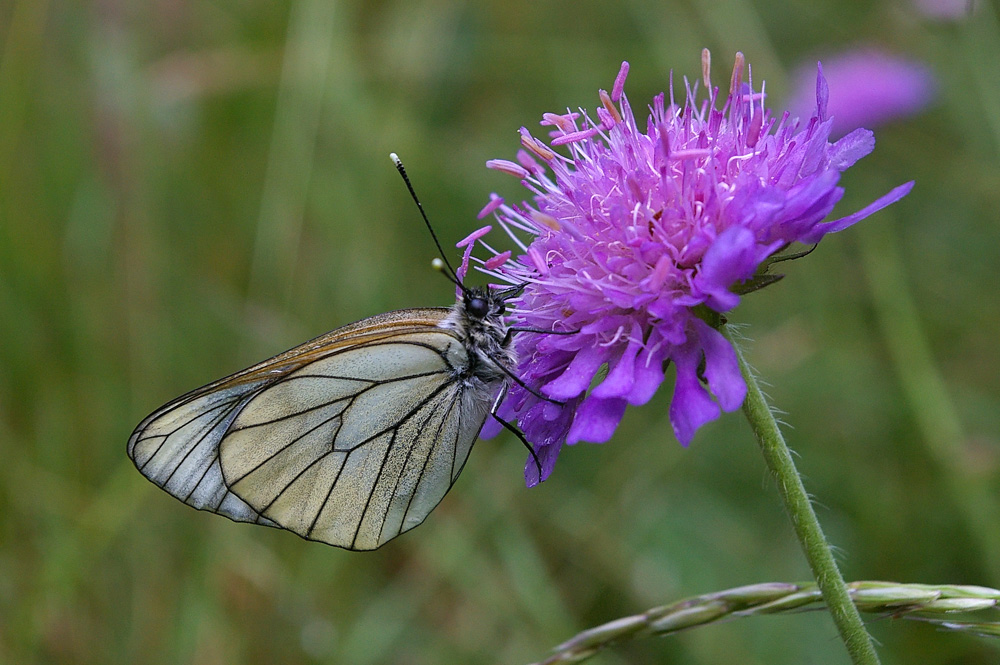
(609, 106)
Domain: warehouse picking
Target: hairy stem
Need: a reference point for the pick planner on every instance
(793, 495)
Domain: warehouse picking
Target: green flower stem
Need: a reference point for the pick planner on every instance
(793, 494)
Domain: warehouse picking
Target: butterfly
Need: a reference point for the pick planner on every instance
(349, 439)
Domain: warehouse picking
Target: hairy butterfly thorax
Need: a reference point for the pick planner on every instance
(477, 319)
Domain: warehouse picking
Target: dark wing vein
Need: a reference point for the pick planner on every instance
(394, 429)
(197, 442)
(224, 405)
(423, 469)
(437, 437)
(305, 433)
(434, 405)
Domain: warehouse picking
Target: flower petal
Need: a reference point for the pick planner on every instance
(547, 456)
(577, 376)
(844, 153)
(648, 374)
(491, 428)
(731, 258)
(691, 406)
(596, 419)
(840, 224)
(722, 368)
(621, 376)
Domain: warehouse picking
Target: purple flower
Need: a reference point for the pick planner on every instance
(947, 10)
(638, 240)
(869, 87)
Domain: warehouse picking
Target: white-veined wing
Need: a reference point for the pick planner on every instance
(349, 439)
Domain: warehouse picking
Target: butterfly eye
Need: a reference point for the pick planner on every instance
(478, 307)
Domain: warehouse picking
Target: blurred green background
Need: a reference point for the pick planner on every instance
(188, 187)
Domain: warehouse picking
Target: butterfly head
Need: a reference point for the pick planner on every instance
(479, 316)
(481, 304)
(477, 320)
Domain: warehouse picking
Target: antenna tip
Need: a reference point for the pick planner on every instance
(438, 265)
(394, 157)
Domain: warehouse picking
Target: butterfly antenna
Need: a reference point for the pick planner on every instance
(442, 268)
(450, 272)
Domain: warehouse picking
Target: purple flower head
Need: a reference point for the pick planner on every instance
(868, 87)
(641, 237)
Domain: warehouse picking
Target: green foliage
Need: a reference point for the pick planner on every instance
(186, 188)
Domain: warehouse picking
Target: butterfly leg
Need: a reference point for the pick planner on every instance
(516, 379)
(511, 428)
(511, 331)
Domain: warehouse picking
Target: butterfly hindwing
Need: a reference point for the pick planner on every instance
(357, 447)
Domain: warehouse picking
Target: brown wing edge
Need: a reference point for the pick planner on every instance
(380, 326)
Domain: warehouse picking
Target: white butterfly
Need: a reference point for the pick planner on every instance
(351, 438)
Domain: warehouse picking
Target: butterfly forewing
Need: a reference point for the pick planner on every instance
(177, 448)
(349, 439)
